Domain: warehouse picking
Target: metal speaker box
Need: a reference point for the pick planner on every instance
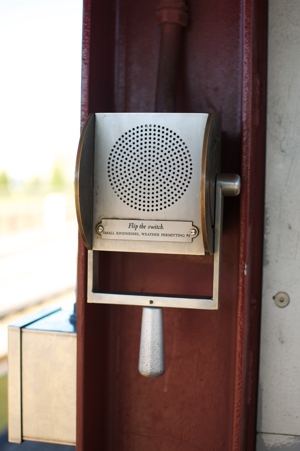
(145, 182)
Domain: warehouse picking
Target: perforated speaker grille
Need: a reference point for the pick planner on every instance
(150, 168)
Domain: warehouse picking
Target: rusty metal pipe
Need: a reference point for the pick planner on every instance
(171, 16)
(165, 101)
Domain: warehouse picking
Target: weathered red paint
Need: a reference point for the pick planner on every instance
(206, 399)
(251, 223)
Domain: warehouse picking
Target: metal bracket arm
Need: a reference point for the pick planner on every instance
(226, 185)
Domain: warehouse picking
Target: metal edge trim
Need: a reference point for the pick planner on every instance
(218, 229)
(23, 322)
(90, 120)
(14, 381)
(51, 332)
(204, 213)
(151, 301)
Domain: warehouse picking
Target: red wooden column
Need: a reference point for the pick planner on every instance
(206, 400)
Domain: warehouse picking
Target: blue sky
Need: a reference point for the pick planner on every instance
(40, 54)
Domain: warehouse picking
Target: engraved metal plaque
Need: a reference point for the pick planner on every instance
(143, 230)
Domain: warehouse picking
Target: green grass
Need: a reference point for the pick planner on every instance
(3, 403)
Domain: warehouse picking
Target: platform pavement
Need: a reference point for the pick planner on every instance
(36, 265)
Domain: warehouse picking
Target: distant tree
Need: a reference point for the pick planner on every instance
(58, 179)
(34, 186)
(4, 183)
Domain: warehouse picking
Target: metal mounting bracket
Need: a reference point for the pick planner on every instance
(226, 185)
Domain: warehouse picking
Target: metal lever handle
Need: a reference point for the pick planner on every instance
(152, 356)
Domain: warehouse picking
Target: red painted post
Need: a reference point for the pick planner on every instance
(207, 398)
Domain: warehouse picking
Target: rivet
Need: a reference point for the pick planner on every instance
(99, 229)
(194, 232)
(281, 299)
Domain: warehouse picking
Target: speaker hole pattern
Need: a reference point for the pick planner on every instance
(150, 168)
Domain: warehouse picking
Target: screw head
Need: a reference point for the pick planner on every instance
(194, 232)
(99, 229)
(281, 299)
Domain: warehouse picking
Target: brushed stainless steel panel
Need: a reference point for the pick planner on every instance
(49, 386)
(15, 373)
(147, 167)
(42, 379)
